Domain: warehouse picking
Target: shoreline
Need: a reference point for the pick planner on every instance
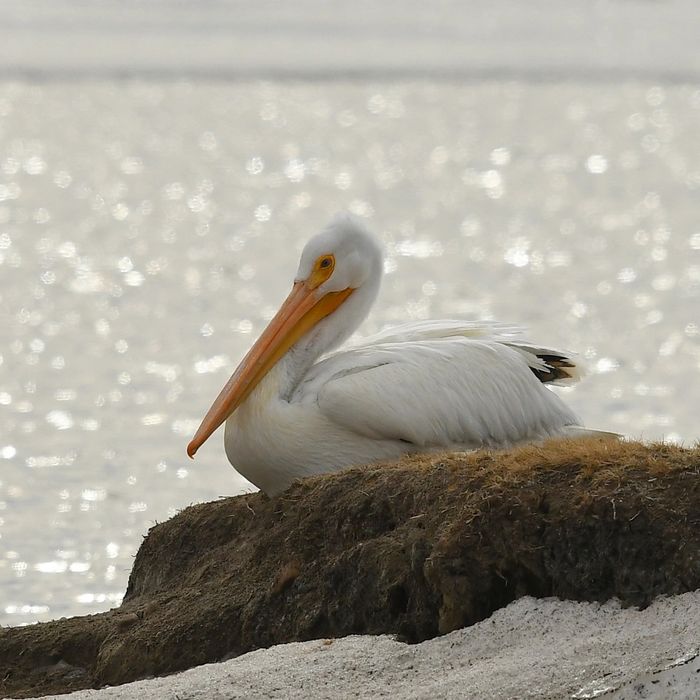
(647, 40)
(417, 549)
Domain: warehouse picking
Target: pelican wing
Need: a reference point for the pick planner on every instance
(473, 387)
(440, 329)
(555, 366)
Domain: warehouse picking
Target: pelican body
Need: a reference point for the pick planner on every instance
(292, 409)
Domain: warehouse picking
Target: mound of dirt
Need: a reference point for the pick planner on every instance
(415, 548)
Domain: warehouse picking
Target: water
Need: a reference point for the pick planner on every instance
(149, 228)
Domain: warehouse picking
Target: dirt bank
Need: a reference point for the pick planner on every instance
(417, 548)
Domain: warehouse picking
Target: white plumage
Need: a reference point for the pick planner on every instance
(416, 387)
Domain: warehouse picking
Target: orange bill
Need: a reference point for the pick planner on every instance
(300, 312)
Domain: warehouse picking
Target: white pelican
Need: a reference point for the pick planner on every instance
(414, 388)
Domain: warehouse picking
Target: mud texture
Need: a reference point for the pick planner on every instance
(416, 548)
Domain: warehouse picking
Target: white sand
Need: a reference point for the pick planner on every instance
(531, 649)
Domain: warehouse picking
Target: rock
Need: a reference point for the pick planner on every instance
(417, 548)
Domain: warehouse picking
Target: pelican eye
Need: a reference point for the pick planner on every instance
(323, 269)
(325, 264)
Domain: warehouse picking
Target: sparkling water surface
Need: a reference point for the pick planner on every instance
(149, 230)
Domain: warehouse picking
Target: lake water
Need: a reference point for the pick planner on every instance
(149, 228)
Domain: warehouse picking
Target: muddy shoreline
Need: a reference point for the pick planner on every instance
(416, 548)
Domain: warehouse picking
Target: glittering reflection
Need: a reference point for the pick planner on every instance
(113, 599)
(148, 231)
(7, 451)
(419, 248)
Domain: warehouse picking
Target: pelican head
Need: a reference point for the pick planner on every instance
(341, 267)
(343, 256)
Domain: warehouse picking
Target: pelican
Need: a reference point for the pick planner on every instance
(292, 409)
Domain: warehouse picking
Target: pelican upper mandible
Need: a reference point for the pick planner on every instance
(290, 412)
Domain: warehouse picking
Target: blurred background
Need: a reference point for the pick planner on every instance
(162, 164)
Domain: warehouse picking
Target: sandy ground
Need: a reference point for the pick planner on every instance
(531, 649)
